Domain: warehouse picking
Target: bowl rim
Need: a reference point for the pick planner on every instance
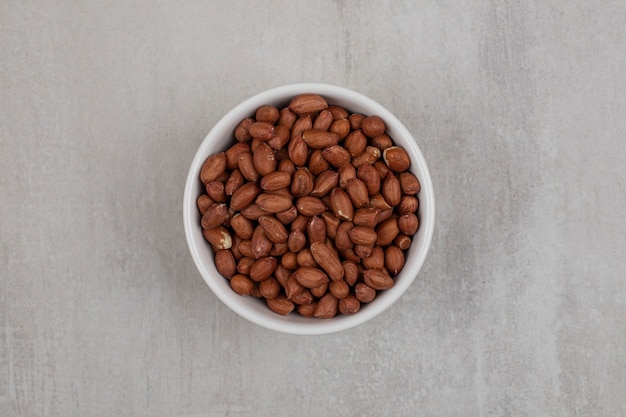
(315, 327)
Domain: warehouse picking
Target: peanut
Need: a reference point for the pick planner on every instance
(311, 208)
(349, 305)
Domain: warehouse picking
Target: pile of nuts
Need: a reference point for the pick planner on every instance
(310, 209)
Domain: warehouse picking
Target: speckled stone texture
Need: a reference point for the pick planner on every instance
(519, 108)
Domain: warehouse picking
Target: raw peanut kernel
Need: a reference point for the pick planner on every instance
(394, 259)
(363, 293)
(319, 291)
(338, 112)
(273, 203)
(351, 272)
(275, 181)
(316, 230)
(215, 190)
(324, 183)
(296, 241)
(219, 237)
(336, 156)
(267, 114)
(351, 255)
(287, 166)
(339, 289)
(235, 181)
(225, 263)
(245, 248)
(323, 120)
(363, 251)
(332, 222)
(274, 229)
(341, 127)
(293, 287)
(310, 277)
(242, 285)
(307, 310)
(245, 265)
(305, 259)
(358, 193)
(287, 216)
(382, 169)
(408, 204)
(369, 156)
(320, 139)
(263, 268)
(308, 103)
(244, 196)
(346, 173)
(310, 206)
(373, 126)
(298, 151)
(262, 131)
(409, 183)
(377, 279)
(304, 298)
(349, 305)
(396, 159)
(356, 121)
(366, 216)
(242, 226)
(242, 130)
(299, 223)
(246, 166)
(408, 224)
(281, 274)
(213, 167)
(287, 118)
(360, 235)
(204, 202)
(317, 164)
(341, 204)
(370, 178)
(260, 245)
(289, 260)
(302, 182)
(279, 249)
(280, 139)
(391, 190)
(326, 307)
(280, 305)
(214, 216)
(355, 143)
(384, 215)
(328, 259)
(387, 232)
(381, 141)
(402, 241)
(302, 124)
(269, 288)
(343, 241)
(232, 154)
(263, 159)
(376, 260)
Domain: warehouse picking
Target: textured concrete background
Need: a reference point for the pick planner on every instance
(519, 107)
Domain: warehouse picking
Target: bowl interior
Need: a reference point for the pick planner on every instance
(220, 138)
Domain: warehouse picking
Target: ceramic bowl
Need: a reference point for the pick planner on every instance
(255, 310)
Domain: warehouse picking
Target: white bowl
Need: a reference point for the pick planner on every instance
(255, 310)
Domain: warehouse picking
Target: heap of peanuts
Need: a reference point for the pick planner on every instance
(310, 209)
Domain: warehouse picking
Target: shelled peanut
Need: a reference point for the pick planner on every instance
(312, 208)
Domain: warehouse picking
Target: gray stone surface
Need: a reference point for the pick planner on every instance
(519, 108)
